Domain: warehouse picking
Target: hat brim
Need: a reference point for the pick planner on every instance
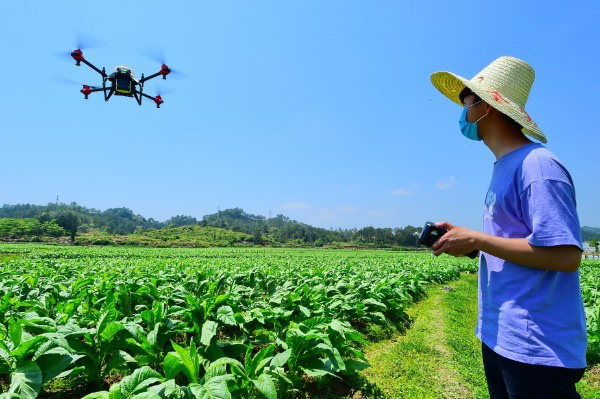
(450, 85)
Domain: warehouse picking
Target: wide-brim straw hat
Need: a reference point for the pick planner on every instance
(504, 84)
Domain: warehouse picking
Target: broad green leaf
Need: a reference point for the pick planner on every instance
(281, 358)
(173, 365)
(6, 360)
(191, 365)
(209, 330)
(265, 385)
(169, 389)
(54, 362)
(107, 317)
(225, 315)
(27, 347)
(219, 367)
(304, 310)
(257, 362)
(146, 395)
(111, 330)
(337, 326)
(374, 302)
(26, 380)
(97, 395)
(317, 372)
(139, 381)
(215, 388)
(15, 331)
(116, 360)
(115, 392)
(72, 372)
(356, 365)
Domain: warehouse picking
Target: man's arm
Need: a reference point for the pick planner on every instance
(459, 240)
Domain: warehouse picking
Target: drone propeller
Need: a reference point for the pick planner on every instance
(86, 90)
(83, 41)
(163, 91)
(157, 54)
(63, 80)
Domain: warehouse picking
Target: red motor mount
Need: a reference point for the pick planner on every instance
(86, 91)
(158, 100)
(164, 71)
(77, 56)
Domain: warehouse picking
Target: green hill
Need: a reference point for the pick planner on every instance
(28, 222)
(184, 236)
(588, 232)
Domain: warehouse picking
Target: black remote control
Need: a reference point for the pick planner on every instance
(431, 233)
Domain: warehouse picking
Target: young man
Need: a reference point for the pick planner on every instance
(531, 317)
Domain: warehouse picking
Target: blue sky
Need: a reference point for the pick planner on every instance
(320, 110)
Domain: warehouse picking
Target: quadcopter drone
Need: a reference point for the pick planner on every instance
(121, 82)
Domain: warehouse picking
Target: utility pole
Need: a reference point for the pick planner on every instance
(269, 214)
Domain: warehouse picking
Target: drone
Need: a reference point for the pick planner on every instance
(121, 82)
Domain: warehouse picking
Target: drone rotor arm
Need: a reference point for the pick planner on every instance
(149, 77)
(146, 95)
(157, 100)
(86, 62)
(99, 89)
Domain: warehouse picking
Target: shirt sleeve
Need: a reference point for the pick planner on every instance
(549, 210)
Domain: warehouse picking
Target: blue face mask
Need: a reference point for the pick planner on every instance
(469, 129)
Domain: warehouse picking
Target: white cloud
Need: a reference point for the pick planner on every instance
(402, 191)
(295, 205)
(445, 185)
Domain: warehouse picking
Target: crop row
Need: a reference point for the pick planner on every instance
(213, 323)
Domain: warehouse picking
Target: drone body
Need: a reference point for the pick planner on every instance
(121, 82)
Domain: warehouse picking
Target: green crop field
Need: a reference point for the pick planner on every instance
(207, 323)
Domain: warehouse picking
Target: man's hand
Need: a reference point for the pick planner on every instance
(456, 242)
(459, 241)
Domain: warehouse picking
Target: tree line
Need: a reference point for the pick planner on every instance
(60, 219)
(283, 229)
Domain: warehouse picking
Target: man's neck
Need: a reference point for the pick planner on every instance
(504, 140)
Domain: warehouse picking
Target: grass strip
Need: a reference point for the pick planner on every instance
(419, 364)
(440, 356)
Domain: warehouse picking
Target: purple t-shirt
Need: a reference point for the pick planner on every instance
(531, 315)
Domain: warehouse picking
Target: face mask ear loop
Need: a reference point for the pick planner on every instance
(481, 118)
(469, 106)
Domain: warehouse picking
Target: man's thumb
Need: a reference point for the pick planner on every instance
(445, 225)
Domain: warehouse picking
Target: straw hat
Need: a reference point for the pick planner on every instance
(504, 84)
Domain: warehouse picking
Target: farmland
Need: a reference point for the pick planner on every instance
(207, 323)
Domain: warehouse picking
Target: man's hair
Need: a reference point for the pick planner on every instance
(466, 91)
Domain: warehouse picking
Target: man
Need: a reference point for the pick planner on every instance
(531, 317)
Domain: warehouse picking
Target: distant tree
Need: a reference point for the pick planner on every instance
(181, 220)
(594, 243)
(257, 237)
(44, 217)
(70, 222)
(52, 229)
